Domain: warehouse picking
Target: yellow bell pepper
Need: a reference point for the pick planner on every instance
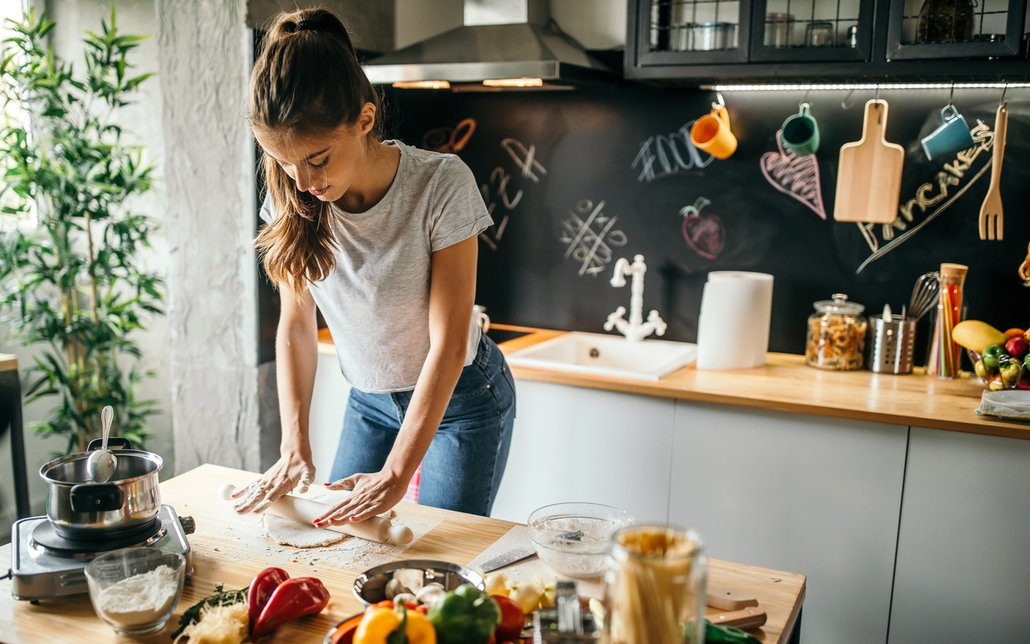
(379, 624)
(419, 629)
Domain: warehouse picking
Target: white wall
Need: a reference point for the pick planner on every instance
(142, 123)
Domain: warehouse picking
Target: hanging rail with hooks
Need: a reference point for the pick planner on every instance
(844, 87)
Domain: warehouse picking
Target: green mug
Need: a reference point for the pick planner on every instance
(800, 132)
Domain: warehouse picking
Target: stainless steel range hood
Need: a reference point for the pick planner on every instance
(503, 43)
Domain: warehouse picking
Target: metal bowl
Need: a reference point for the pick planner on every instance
(343, 632)
(370, 586)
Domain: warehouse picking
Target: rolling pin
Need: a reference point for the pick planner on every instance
(294, 508)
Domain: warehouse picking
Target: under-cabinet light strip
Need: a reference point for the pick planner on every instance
(816, 87)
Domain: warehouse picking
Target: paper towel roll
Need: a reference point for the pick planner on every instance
(733, 327)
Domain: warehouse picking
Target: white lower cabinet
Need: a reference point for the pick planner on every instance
(963, 572)
(819, 496)
(578, 444)
(328, 403)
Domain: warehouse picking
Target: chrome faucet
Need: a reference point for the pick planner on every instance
(635, 329)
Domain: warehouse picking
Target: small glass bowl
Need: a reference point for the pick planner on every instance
(124, 587)
(1018, 376)
(574, 538)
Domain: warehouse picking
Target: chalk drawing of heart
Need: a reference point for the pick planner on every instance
(795, 176)
(703, 233)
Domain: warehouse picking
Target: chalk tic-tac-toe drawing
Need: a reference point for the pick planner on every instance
(795, 176)
(952, 176)
(703, 233)
(590, 235)
(662, 155)
(450, 139)
(496, 189)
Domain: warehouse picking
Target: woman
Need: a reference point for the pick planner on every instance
(383, 238)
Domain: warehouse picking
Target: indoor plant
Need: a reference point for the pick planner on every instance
(73, 284)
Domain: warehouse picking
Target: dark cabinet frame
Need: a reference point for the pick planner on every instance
(896, 50)
(862, 52)
(875, 60)
(644, 57)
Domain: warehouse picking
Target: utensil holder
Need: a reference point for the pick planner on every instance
(890, 345)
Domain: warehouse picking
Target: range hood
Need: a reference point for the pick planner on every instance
(503, 43)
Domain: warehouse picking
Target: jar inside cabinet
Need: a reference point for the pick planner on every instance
(836, 334)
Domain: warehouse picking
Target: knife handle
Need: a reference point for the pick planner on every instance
(726, 599)
(744, 619)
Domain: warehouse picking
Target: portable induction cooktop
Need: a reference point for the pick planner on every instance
(45, 565)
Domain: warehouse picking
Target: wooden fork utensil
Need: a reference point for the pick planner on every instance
(992, 216)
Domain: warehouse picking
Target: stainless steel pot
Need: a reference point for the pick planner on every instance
(82, 510)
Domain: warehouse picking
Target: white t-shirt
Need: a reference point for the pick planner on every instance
(376, 298)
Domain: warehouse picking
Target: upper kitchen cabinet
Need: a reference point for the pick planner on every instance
(982, 29)
(688, 32)
(811, 30)
(827, 40)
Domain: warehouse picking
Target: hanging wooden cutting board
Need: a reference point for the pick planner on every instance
(869, 175)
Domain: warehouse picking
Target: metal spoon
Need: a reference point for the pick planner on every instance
(102, 462)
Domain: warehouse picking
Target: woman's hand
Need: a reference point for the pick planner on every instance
(293, 468)
(371, 494)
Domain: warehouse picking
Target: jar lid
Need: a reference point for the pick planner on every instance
(839, 304)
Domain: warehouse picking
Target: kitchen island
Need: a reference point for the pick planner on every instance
(219, 558)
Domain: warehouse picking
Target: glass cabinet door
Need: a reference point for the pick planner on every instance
(687, 32)
(812, 30)
(955, 28)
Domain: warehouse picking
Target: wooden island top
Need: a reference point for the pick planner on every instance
(786, 384)
(221, 556)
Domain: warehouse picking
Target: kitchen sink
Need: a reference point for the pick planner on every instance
(606, 355)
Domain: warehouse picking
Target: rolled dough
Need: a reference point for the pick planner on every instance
(298, 535)
(290, 533)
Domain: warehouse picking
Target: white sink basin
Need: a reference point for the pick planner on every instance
(607, 355)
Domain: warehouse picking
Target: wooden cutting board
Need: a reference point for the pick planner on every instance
(869, 174)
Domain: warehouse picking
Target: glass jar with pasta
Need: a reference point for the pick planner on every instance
(836, 334)
(655, 586)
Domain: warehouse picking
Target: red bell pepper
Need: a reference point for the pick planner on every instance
(293, 598)
(264, 584)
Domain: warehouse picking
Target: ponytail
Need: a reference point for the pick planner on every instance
(306, 80)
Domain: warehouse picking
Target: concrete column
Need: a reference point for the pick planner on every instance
(205, 60)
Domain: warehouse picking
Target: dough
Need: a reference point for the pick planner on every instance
(298, 535)
(290, 533)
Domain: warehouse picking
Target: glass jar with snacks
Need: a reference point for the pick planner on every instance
(836, 334)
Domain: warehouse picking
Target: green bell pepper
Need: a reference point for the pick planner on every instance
(466, 615)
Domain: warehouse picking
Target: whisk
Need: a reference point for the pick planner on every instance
(924, 295)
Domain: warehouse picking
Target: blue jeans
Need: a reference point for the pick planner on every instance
(464, 464)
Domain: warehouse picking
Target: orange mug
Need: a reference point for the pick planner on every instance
(712, 134)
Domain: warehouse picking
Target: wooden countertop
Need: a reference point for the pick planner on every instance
(8, 362)
(221, 558)
(786, 384)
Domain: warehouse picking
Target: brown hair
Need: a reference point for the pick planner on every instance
(307, 80)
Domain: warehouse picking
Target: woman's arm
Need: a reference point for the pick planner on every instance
(451, 293)
(296, 355)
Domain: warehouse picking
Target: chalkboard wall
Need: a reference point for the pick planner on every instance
(577, 179)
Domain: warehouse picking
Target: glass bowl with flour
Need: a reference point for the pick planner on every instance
(135, 590)
(574, 538)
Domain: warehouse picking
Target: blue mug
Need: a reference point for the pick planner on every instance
(951, 136)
